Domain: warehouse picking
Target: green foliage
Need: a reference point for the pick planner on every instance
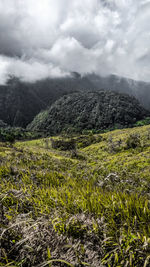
(89, 111)
(130, 250)
(63, 144)
(7, 135)
(146, 121)
(22, 101)
(87, 140)
(10, 134)
(133, 141)
(57, 210)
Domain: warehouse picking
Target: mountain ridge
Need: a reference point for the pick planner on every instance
(20, 101)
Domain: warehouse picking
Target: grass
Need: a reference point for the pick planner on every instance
(88, 210)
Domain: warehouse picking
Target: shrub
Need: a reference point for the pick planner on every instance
(46, 142)
(7, 135)
(114, 146)
(133, 141)
(146, 121)
(63, 144)
(84, 141)
(10, 134)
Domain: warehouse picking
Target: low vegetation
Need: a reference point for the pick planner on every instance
(90, 210)
(11, 134)
(63, 144)
(146, 121)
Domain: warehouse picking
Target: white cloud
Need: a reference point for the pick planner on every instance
(44, 38)
(28, 70)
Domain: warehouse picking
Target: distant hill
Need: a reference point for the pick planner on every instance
(89, 110)
(20, 101)
(138, 89)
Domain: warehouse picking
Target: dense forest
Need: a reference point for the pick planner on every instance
(82, 111)
(20, 102)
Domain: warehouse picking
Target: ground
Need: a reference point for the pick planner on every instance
(91, 208)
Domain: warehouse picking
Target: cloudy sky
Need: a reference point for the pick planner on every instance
(43, 38)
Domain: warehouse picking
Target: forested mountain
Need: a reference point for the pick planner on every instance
(89, 110)
(20, 101)
(138, 89)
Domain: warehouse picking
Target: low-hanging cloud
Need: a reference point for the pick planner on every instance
(47, 38)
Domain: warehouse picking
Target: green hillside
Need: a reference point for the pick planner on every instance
(88, 205)
(21, 101)
(82, 111)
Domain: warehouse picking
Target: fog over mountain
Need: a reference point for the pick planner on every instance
(41, 39)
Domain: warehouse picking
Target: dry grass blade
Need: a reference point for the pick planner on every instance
(147, 261)
(12, 226)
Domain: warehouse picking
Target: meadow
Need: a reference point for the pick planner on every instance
(88, 207)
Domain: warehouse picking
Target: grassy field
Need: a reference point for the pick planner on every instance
(91, 208)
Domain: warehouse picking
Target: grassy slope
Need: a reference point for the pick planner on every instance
(93, 209)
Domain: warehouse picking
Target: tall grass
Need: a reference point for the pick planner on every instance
(89, 211)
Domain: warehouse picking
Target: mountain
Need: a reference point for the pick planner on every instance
(89, 110)
(20, 101)
(138, 89)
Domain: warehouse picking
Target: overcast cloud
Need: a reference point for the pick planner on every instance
(50, 38)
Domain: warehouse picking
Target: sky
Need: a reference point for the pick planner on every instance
(51, 38)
